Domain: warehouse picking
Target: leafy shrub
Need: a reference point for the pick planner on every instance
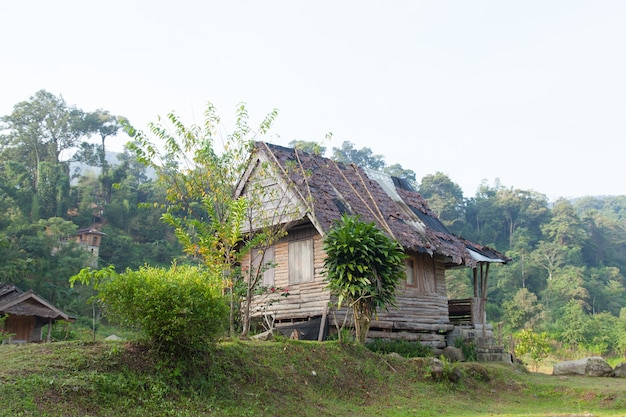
(468, 347)
(405, 348)
(363, 266)
(534, 345)
(180, 310)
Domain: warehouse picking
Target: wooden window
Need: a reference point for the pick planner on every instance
(300, 261)
(425, 273)
(266, 260)
(420, 273)
(410, 272)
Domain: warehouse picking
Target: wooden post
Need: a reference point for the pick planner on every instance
(320, 336)
(49, 337)
(475, 271)
(512, 348)
(483, 298)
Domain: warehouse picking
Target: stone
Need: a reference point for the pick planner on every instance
(265, 336)
(436, 368)
(620, 370)
(395, 355)
(455, 375)
(113, 337)
(453, 354)
(592, 366)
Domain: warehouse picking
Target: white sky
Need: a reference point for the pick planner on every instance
(530, 92)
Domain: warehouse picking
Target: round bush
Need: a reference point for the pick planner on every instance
(179, 310)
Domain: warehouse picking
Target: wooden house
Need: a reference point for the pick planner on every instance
(89, 239)
(306, 194)
(26, 314)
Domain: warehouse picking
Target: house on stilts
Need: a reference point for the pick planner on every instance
(306, 194)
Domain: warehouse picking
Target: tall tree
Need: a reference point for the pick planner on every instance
(565, 227)
(313, 148)
(363, 157)
(42, 128)
(396, 170)
(201, 180)
(522, 208)
(105, 125)
(444, 197)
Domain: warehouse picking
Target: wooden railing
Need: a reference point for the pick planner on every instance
(462, 311)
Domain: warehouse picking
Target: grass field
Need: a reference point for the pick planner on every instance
(285, 378)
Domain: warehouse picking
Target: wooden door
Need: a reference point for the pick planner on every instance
(21, 326)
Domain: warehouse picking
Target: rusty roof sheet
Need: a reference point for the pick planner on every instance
(336, 188)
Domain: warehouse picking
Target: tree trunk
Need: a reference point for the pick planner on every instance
(362, 321)
(246, 314)
(231, 316)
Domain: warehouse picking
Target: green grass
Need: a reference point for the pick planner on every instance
(286, 378)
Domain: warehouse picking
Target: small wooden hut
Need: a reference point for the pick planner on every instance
(306, 194)
(26, 314)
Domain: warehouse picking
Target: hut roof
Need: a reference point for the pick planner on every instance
(334, 188)
(17, 302)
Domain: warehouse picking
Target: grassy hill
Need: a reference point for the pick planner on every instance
(286, 378)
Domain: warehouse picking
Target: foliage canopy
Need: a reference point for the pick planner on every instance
(363, 267)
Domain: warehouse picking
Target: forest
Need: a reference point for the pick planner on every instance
(566, 275)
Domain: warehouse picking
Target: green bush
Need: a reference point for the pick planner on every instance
(468, 347)
(180, 310)
(533, 345)
(405, 348)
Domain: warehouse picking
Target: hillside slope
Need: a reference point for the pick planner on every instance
(287, 378)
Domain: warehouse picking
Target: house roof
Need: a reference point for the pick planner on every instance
(329, 189)
(17, 302)
(89, 231)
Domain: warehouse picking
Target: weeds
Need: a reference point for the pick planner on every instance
(468, 347)
(277, 378)
(404, 348)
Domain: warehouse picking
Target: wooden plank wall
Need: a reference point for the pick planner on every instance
(421, 312)
(419, 315)
(275, 203)
(308, 299)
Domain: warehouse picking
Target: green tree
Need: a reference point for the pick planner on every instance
(620, 331)
(313, 148)
(606, 290)
(444, 197)
(572, 324)
(533, 345)
(566, 285)
(105, 125)
(362, 267)
(523, 311)
(522, 208)
(201, 180)
(42, 128)
(565, 227)
(600, 335)
(364, 157)
(496, 213)
(396, 170)
(484, 217)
